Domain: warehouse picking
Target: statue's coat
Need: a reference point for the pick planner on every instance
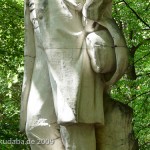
(57, 64)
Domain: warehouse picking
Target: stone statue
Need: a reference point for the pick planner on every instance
(73, 52)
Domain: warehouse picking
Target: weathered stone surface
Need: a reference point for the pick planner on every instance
(66, 75)
(117, 134)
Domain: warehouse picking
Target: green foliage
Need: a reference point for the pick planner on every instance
(133, 19)
(11, 71)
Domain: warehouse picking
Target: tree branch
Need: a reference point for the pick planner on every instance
(141, 95)
(145, 40)
(136, 14)
(134, 48)
(142, 58)
(146, 74)
(131, 35)
(146, 29)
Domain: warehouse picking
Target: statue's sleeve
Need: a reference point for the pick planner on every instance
(29, 59)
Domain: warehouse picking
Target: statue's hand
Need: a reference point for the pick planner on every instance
(101, 51)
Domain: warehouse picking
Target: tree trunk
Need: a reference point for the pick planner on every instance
(117, 134)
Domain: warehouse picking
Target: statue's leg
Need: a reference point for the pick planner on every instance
(78, 137)
(41, 127)
(44, 137)
(42, 133)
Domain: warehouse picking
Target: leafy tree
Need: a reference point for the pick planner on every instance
(11, 70)
(134, 21)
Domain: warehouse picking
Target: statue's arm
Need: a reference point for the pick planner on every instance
(121, 49)
(29, 59)
(99, 12)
